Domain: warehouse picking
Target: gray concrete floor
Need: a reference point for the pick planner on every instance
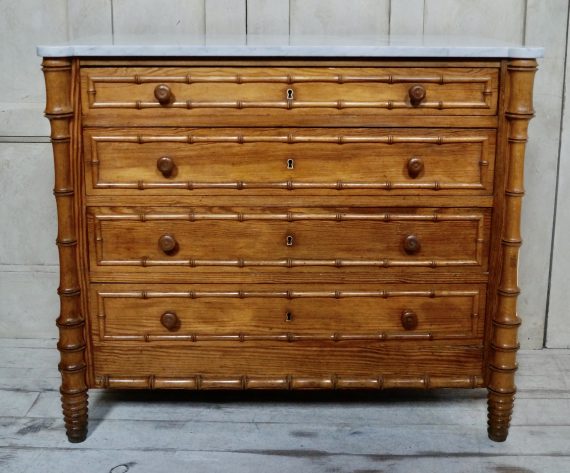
(359, 432)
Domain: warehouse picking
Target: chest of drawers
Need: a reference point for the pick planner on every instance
(305, 223)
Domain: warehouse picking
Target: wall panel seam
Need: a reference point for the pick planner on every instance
(556, 186)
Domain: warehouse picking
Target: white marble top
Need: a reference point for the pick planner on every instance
(291, 46)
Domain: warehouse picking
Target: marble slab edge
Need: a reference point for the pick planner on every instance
(518, 52)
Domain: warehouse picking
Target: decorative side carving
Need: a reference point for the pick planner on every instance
(60, 85)
(504, 344)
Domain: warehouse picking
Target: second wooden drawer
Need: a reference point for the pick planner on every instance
(288, 238)
(262, 161)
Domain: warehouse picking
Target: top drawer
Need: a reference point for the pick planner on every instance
(281, 95)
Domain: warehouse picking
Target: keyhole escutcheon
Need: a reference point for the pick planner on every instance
(290, 94)
(290, 163)
(290, 240)
(288, 316)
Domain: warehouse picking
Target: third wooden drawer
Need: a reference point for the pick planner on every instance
(218, 238)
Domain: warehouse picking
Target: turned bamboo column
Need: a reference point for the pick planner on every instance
(504, 342)
(71, 345)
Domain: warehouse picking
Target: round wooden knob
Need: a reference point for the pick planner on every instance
(163, 94)
(167, 243)
(165, 164)
(417, 94)
(415, 167)
(412, 244)
(409, 320)
(170, 321)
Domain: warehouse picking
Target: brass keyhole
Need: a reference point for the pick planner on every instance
(290, 94)
(290, 164)
(288, 316)
(290, 240)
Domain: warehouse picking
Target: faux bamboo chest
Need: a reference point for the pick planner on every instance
(288, 218)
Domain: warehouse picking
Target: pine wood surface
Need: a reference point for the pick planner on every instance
(264, 209)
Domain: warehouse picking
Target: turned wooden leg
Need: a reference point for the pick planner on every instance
(58, 73)
(500, 408)
(502, 362)
(75, 416)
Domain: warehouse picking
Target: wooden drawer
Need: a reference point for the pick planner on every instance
(245, 313)
(278, 365)
(281, 239)
(248, 93)
(306, 161)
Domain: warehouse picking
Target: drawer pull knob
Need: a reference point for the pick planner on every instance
(290, 240)
(409, 320)
(415, 167)
(412, 244)
(165, 164)
(163, 94)
(168, 243)
(417, 94)
(170, 321)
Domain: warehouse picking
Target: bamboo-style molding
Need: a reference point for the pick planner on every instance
(286, 337)
(440, 79)
(289, 382)
(504, 343)
(61, 90)
(289, 185)
(293, 104)
(290, 138)
(387, 217)
(289, 263)
(288, 294)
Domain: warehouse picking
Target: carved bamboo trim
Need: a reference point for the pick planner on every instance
(58, 75)
(290, 263)
(289, 337)
(288, 294)
(293, 216)
(293, 104)
(504, 344)
(290, 138)
(290, 382)
(440, 79)
(289, 185)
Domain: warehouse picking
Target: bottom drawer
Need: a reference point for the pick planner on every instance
(274, 365)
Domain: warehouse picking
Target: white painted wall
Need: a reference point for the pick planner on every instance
(28, 257)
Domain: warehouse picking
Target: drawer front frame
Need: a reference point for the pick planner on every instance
(273, 161)
(290, 313)
(221, 222)
(320, 92)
